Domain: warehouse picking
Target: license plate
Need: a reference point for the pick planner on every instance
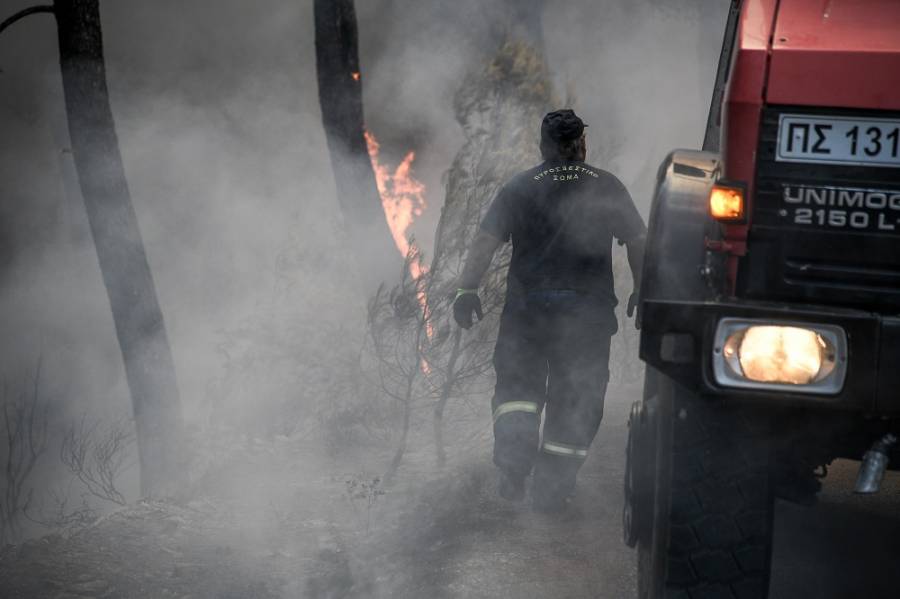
(838, 140)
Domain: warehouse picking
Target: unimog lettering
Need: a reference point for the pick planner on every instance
(842, 197)
(826, 207)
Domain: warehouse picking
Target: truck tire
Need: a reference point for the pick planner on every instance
(703, 528)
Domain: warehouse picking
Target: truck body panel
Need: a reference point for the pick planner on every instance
(840, 54)
(743, 106)
(837, 54)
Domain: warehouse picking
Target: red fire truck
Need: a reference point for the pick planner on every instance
(770, 299)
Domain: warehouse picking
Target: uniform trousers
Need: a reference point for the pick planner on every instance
(551, 359)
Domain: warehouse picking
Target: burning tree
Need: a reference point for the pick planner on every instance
(149, 367)
(340, 97)
(277, 353)
(420, 354)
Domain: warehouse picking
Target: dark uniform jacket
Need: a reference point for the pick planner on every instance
(561, 218)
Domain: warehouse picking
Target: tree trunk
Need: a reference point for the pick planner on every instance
(340, 97)
(141, 333)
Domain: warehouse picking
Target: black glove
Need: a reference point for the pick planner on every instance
(634, 306)
(467, 301)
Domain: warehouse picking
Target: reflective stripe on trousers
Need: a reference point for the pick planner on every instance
(529, 407)
(561, 449)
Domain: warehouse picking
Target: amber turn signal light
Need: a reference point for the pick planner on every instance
(726, 202)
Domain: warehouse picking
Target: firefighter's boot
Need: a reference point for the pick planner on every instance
(512, 486)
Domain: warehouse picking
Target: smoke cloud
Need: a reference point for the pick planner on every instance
(219, 127)
(217, 116)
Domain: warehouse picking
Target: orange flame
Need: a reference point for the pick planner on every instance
(355, 76)
(403, 199)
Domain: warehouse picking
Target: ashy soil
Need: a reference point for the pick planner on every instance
(288, 520)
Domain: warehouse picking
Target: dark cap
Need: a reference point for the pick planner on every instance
(562, 125)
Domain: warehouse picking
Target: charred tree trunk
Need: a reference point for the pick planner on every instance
(340, 96)
(141, 333)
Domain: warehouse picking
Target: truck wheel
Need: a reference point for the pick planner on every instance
(699, 503)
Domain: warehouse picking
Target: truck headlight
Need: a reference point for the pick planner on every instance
(797, 357)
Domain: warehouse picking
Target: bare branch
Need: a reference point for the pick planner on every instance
(24, 417)
(97, 456)
(60, 516)
(33, 10)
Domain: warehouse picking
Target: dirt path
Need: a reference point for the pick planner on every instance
(465, 542)
(290, 522)
(845, 547)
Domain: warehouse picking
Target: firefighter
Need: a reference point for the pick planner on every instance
(552, 352)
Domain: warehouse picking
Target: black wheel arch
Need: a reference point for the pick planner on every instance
(678, 267)
(679, 224)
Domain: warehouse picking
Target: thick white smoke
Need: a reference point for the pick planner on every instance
(219, 127)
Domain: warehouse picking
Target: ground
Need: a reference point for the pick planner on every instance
(291, 521)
